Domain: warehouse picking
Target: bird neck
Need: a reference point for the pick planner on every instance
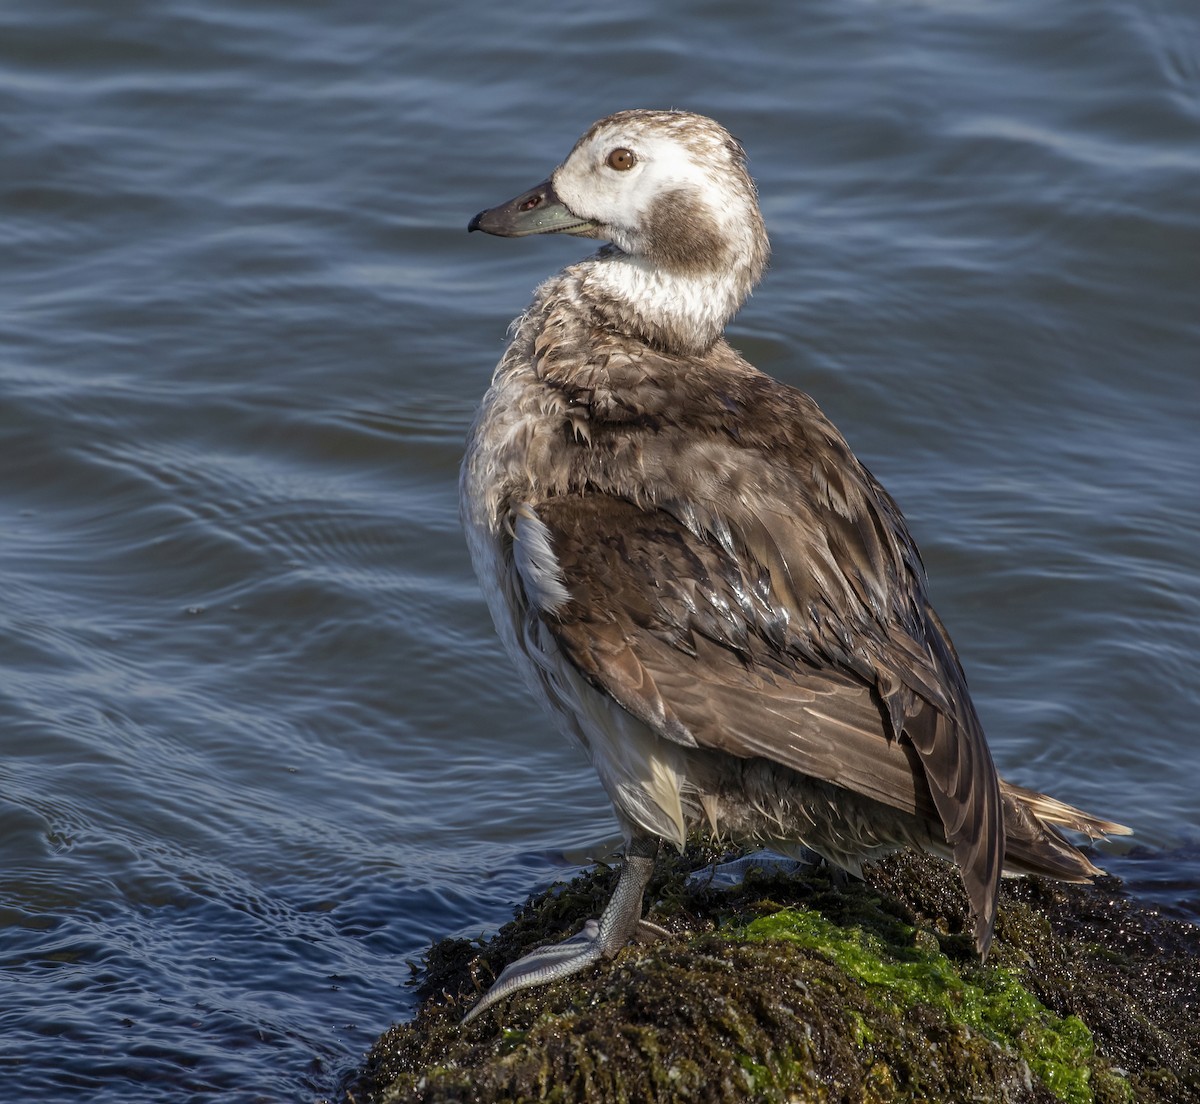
(678, 312)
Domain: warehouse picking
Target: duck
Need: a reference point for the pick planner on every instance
(696, 576)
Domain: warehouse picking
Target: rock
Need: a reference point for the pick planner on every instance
(805, 988)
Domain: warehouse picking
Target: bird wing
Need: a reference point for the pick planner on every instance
(670, 626)
(766, 599)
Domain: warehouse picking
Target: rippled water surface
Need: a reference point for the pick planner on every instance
(259, 746)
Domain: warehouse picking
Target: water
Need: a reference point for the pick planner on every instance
(259, 746)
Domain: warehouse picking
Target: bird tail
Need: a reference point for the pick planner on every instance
(1034, 845)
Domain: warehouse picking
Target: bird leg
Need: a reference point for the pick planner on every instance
(620, 922)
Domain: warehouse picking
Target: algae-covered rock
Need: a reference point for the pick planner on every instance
(805, 988)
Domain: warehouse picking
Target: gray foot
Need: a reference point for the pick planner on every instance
(732, 874)
(620, 922)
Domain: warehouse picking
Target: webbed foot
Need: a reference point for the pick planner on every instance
(732, 874)
(603, 938)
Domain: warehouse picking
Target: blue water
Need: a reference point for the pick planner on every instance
(258, 746)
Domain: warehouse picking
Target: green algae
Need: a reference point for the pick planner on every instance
(809, 988)
(1059, 1049)
(772, 1078)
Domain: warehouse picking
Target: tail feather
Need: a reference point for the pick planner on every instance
(1035, 846)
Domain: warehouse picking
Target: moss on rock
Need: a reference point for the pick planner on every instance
(801, 988)
(1058, 1049)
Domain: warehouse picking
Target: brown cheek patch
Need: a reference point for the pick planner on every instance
(681, 236)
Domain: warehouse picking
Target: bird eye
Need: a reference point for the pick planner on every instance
(621, 159)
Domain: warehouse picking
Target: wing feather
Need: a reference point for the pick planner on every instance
(697, 643)
(723, 546)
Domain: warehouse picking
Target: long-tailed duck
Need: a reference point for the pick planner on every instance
(693, 571)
